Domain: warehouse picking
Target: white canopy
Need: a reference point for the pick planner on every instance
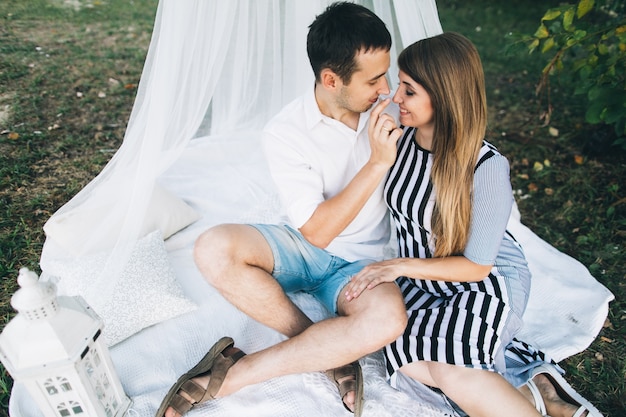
(214, 68)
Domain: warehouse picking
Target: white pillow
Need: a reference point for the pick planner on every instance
(146, 293)
(94, 226)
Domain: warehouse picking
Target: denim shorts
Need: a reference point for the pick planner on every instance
(300, 266)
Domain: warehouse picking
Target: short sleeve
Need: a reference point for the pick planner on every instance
(299, 184)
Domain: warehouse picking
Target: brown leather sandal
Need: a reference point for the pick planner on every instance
(340, 377)
(214, 363)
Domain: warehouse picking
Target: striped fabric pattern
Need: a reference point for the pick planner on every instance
(453, 322)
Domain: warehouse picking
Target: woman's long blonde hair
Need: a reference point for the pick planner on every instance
(450, 70)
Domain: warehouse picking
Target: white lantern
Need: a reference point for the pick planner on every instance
(53, 347)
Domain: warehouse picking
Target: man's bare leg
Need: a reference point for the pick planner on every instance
(237, 260)
(365, 324)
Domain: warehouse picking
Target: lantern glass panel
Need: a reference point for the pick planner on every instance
(50, 387)
(63, 411)
(65, 385)
(100, 392)
(76, 408)
(89, 367)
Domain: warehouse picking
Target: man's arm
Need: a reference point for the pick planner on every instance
(333, 215)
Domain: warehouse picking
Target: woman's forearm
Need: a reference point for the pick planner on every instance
(451, 268)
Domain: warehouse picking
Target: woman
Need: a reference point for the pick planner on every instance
(464, 278)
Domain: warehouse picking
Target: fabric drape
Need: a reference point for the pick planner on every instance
(213, 68)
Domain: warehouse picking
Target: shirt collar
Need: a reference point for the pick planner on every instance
(315, 116)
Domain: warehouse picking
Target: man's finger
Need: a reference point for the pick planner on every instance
(376, 111)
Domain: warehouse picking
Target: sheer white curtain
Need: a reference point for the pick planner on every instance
(213, 68)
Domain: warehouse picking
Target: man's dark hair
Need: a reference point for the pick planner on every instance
(339, 33)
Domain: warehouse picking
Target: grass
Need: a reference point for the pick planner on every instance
(67, 84)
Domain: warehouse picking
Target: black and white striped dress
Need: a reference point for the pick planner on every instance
(461, 323)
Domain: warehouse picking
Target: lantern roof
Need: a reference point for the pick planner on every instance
(48, 330)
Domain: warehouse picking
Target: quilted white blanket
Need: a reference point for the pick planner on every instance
(567, 307)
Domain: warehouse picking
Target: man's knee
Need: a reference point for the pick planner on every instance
(227, 251)
(383, 319)
(214, 252)
(393, 319)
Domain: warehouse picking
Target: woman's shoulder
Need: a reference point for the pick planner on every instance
(489, 148)
(490, 156)
(489, 152)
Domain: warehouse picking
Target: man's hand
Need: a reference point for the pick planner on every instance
(383, 135)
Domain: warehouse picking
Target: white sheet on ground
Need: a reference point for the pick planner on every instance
(567, 306)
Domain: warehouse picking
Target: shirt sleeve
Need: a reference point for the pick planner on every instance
(299, 185)
(491, 208)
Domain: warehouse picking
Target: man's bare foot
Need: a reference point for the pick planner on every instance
(555, 405)
(348, 398)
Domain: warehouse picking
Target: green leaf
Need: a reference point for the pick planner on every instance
(604, 106)
(585, 72)
(594, 113)
(547, 45)
(611, 71)
(559, 64)
(584, 6)
(579, 34)
(547, 68)
(568, 19)
(613, 114)
(580, 89)
(542, 32)
(551, 14)
(599, 93)
(533, 45)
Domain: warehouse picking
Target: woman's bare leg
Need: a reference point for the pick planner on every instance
(478, 392)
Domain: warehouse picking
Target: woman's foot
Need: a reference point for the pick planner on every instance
(554, 404)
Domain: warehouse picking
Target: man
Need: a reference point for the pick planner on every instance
(328, 159)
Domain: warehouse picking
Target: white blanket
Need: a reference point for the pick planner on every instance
(566, 311)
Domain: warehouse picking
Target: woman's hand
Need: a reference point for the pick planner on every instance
(372, 275)
(383, 135)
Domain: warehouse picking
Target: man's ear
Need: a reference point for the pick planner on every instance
(329, 79)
